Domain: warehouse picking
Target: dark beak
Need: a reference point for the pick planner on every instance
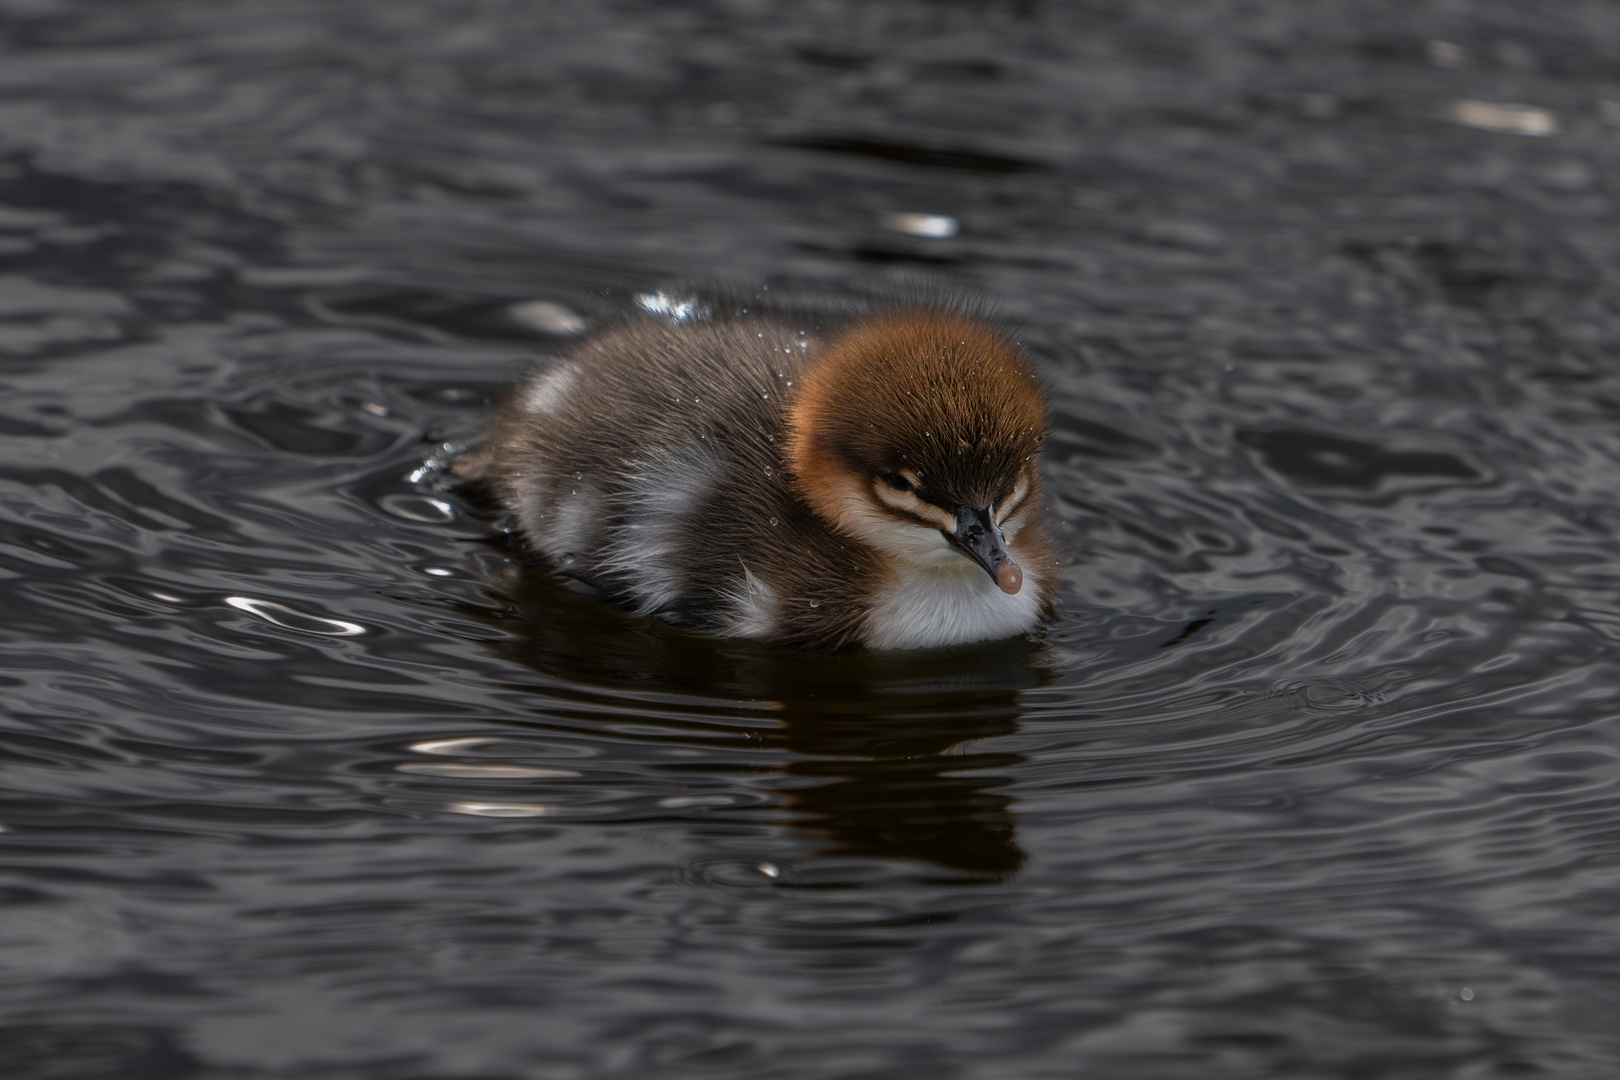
(978, 537)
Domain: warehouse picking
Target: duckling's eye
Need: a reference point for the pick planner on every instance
(896, 481)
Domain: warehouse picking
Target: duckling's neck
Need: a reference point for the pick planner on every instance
(921, 606)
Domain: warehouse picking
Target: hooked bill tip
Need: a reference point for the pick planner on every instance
(1009, 579)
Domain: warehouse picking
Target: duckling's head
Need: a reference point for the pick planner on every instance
(917, 433)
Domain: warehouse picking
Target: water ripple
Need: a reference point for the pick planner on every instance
(308, 771)
(284, 616)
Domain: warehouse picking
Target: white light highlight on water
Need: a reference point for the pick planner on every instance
(1446, 54)
(418, 508)
(770, 870)
(547, 317)
(1510, 119)
(932, 226)
(483, 772)
(287, 618)
(451, 746)
(1467, 994)
(675, 309)
(676, 802)
(500, 809)
(438, 571)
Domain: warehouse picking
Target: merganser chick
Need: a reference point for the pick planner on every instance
(875, 487)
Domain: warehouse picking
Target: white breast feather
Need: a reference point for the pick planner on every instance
(530, 505)
(573, 515)
(643, 550)
(546, 390)
(924, 607)
(754, 608)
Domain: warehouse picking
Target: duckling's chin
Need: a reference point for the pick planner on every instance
(951, 603)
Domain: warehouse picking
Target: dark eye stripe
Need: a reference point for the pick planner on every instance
(1002, 514)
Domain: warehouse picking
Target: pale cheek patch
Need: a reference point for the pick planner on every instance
(876, 528)
(911, 504)
(861, 514)
(916, 544)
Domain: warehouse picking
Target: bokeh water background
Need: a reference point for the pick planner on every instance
(1315, 774)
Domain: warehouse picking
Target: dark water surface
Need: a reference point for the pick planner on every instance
(1314, 776)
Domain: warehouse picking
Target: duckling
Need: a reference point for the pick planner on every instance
(876, 486)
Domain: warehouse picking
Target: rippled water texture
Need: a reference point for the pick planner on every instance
(1313, 776)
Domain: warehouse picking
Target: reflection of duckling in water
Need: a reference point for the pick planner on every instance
(887, 752)
(876, 487)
